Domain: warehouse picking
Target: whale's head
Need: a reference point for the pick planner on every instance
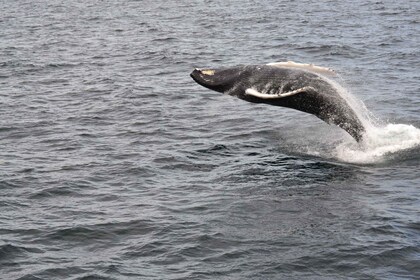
(220, 80)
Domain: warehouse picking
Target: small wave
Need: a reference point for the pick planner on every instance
(9, 251)
(380, 144)
(100, 232)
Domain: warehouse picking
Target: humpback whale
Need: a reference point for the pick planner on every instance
(304, 87)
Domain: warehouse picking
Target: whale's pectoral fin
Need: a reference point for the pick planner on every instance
(258, 94)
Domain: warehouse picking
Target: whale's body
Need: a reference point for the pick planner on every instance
(299, 86)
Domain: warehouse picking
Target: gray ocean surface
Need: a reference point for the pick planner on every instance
(115, 164)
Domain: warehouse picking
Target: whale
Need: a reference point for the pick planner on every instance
(303, 87)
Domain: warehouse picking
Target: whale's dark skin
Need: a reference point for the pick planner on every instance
(303, 90)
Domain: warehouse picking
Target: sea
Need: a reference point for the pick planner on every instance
(115, 164)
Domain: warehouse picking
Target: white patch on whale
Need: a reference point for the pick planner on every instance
(258, 94)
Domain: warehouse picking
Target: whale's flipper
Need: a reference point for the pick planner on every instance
(309, 67)
(258, 94)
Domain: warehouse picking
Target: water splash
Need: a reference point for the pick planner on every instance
(380, 140)
(379, 143)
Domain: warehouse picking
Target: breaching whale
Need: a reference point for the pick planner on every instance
(303, 87)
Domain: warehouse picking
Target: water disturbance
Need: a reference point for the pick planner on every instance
(381, 140)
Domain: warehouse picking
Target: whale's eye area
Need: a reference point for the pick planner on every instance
(207, 72)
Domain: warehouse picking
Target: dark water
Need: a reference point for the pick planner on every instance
(114, 164)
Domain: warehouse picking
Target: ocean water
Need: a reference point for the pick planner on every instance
(115, 164)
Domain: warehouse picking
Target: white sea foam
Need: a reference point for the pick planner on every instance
(379, 142)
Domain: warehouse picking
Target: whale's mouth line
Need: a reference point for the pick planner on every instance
(205, 77)
(195, 75)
